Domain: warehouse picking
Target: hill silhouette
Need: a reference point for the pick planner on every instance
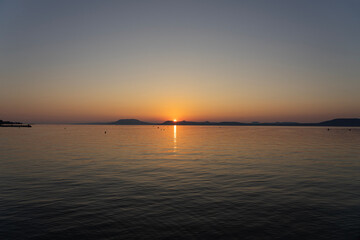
(341, 122)
(129, 122)
(349, 122)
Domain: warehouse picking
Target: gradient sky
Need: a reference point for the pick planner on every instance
(75, 61)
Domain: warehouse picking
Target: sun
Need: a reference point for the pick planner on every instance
(174, 120)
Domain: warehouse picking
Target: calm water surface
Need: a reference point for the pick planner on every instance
(184, 182)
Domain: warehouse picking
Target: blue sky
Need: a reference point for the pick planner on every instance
(66, 61)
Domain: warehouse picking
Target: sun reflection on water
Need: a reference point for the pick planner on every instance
(174, 137)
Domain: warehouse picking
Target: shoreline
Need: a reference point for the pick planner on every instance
(16, 125)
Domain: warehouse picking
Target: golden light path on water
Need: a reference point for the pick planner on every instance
(174, 137)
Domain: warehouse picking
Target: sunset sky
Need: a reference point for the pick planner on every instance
(85, 61)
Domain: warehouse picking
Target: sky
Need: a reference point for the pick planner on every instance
(87, 61)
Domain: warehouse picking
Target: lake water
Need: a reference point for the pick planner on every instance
(179, 182)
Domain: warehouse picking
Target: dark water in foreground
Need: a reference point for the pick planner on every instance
(188, 182)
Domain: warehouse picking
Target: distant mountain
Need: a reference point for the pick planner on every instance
(203, 123)
(187, 123)
(343, 122)
(207, 123)
(232, 123)
(129, 122)
(349, 122)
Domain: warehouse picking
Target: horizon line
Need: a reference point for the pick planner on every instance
(189, 121)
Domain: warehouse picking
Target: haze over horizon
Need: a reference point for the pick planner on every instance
(89, 61)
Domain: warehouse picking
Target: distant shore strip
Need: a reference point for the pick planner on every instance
(16, 125)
